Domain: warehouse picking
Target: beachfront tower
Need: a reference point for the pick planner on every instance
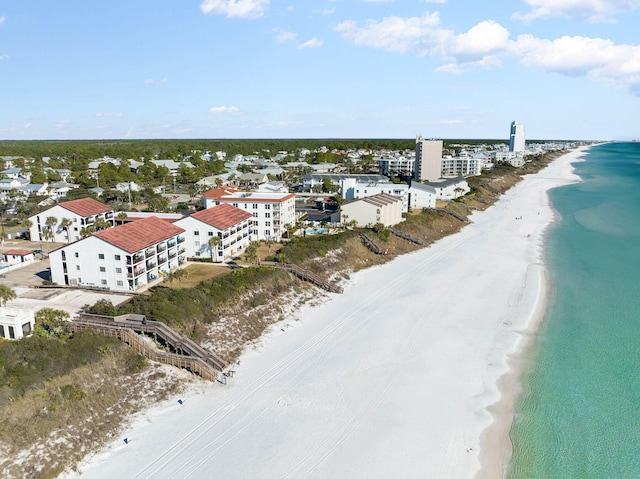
(428, 166)
(516, 139)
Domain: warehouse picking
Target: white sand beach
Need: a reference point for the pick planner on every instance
(397, 377)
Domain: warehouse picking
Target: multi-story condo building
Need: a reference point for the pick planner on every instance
(79, 214)
(463, 165)
(229, 224)
(271, 212)
(428, 164)
(123, 258)
(516, 138)
(397, 165)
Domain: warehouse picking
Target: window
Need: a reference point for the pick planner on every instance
(64, 256)
(255, 206)
(267, 207)
(118, 270)
(77, 255)
(267, 233)
(255, 215)
(100, 255)
(2, 332)
(235, 204)
(267, 215)
(119, 283)
(78, 267)
(196, 233)
(210, 233)
(117, 257)
(267, 223)
(102, 269)
(103, 282)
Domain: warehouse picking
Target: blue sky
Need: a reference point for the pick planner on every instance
(567, 69)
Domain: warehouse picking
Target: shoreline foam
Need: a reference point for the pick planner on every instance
(400, 376)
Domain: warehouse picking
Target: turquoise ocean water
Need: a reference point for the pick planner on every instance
(579, 412)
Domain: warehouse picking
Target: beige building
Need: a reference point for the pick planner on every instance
(382, 208)
(428, 165)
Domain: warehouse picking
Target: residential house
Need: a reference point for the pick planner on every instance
(16, 323)
(351, 188)
(272, 212)
(448, 189)
(17, 256)
(83, 213)
(381, 208)
(230, 224)
(123, 258)
(422, 196)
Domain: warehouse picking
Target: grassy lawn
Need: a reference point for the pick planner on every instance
(198, 272)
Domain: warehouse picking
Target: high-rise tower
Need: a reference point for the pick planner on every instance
(516, 139)
(428, 165)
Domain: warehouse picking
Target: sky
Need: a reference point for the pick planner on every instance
(566, 69)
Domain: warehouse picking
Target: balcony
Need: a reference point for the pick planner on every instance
(150, 252)
(161, 247)
(172, 254)
(136, 272)
(180, 239)
(151, 264)
(136, 259)
(171, 244)
(162, 260)
(181, 249)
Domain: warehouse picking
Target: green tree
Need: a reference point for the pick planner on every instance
(50, 322)
(214, 242)
(66, 224)
(180, 274)
(251, 253)
(47, 235)
(6, 294)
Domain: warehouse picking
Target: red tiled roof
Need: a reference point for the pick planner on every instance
(231, 194)
(86, 207)
(140, 234)
(222, 216)
(218, 193)
(18, 252)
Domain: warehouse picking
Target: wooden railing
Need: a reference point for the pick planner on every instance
(369, 243)
(185, 350)
(457, 216)
(408, 237)
(304, 275)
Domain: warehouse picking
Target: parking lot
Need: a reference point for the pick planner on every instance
(25, 281)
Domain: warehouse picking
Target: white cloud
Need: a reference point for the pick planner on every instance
(249, 9)
(486, 44)
(151, 81)
(329, 11)
(2, 19)
(597, 58)
(217, 110)
(283, 36)
(109, 115)
(313, 43)
(393, 33)
(590, 10)
(434, 1)
(4, 57)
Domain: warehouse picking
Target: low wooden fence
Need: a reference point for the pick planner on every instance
(304, 275)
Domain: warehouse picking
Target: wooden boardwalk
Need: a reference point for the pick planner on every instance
(184, 353)
(406, 236)
(304, 275)
(369, 243)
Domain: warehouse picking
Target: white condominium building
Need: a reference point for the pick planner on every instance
(79, 214)
(229, 224)
(123, 258)
(271, 212)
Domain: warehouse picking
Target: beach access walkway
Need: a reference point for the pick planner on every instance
(130, 328)
(304, 275)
